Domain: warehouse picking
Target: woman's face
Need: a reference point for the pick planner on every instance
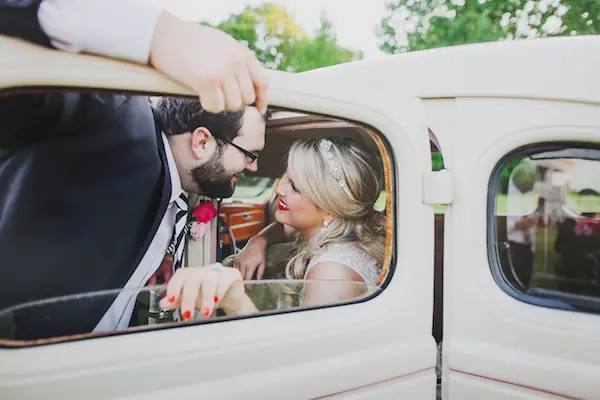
(295, 209)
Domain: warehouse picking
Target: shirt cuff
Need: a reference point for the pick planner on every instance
(114, 28)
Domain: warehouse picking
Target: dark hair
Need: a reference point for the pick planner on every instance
(175, 116)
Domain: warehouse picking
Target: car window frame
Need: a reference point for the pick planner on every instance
(552, 299)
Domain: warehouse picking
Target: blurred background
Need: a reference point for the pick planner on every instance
(295, 35)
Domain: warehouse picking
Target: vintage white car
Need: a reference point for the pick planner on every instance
(452, 283)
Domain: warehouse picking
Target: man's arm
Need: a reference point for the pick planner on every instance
(224, 73)
(19, 19)
(114, 28)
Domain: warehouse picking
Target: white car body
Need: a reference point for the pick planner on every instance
(481, 102)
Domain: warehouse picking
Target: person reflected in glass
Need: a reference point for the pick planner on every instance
(578, 246)
(521, 225)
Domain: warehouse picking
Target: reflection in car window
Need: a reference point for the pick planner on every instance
(252, 187)
(268, 296)
(547, 225)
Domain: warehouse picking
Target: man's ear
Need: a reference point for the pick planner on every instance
(202, 143)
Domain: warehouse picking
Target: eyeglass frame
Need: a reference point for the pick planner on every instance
(252, 156)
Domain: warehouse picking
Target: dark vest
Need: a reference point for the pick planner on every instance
(83, 187)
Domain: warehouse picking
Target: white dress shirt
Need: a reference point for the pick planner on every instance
(114, 28)
(119, 314)
(518, 208)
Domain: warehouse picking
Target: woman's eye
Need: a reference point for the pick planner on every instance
(293, 187)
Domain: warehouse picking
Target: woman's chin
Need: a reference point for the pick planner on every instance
(282, 217)
(279, 217)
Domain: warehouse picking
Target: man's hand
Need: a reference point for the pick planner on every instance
(224, 73)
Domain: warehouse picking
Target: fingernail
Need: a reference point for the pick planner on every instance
(216, 299)
(187, 314)
(171, 299)
(206, 312)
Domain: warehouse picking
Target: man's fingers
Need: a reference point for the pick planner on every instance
(261, 271)
(233, 96)
(249, 271)
(246, 87)
(212, 98)
(258, 74)
(242, 268)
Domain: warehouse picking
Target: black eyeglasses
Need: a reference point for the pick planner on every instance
(252, 156)
(248, 154)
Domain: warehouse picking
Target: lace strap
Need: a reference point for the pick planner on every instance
(359, 261)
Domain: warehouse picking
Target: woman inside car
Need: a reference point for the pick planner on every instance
(327, 198)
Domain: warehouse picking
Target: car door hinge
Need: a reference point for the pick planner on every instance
(437, 187)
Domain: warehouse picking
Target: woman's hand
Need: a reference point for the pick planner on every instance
(253, 257)
(205, 288)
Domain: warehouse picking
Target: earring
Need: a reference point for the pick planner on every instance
(325, 223)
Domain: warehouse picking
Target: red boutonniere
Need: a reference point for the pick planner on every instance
(586, 227)
(199, 219)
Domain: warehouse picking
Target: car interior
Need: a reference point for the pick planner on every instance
(253, 204)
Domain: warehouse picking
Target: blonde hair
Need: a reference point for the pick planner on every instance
(343, 179)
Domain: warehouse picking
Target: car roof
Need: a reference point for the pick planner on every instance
(562, 68)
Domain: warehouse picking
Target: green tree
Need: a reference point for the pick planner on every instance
(322, 50)
(280, 43)
(421, 24)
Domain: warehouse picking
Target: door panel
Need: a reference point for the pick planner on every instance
(496, 346)
(244, 221)
(307, 354)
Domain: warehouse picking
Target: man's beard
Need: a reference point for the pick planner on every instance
(212, 179)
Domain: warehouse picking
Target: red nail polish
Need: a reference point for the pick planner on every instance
(171, 299)
(206, 312)
(187, 314)
(216, 299)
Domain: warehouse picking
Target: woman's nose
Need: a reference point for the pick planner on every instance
(279, 189)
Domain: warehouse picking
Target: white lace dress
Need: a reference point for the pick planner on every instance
(352, 257)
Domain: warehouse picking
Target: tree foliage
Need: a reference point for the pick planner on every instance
(280, 43)
(421, 24)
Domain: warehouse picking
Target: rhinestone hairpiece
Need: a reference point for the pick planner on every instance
(334, 168)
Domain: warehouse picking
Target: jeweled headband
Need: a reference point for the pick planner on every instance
(334, 168)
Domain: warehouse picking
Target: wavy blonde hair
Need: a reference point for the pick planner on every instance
(356, 221)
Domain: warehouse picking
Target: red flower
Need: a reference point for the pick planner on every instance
(204, 212)
(586, 227)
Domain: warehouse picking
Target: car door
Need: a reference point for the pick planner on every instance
(378, 347)
(521, 312)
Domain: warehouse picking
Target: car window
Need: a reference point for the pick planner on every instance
(271, 296)
(545, 220)
(253, 187)
(90, 180)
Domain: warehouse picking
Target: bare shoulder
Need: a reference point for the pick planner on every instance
(333, 270)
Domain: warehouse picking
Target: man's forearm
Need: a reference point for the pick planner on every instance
(20, 19)
(114, 28)
(276, 233)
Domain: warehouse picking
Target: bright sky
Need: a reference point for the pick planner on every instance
(354, 21)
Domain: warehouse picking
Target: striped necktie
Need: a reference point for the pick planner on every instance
(180, 231)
